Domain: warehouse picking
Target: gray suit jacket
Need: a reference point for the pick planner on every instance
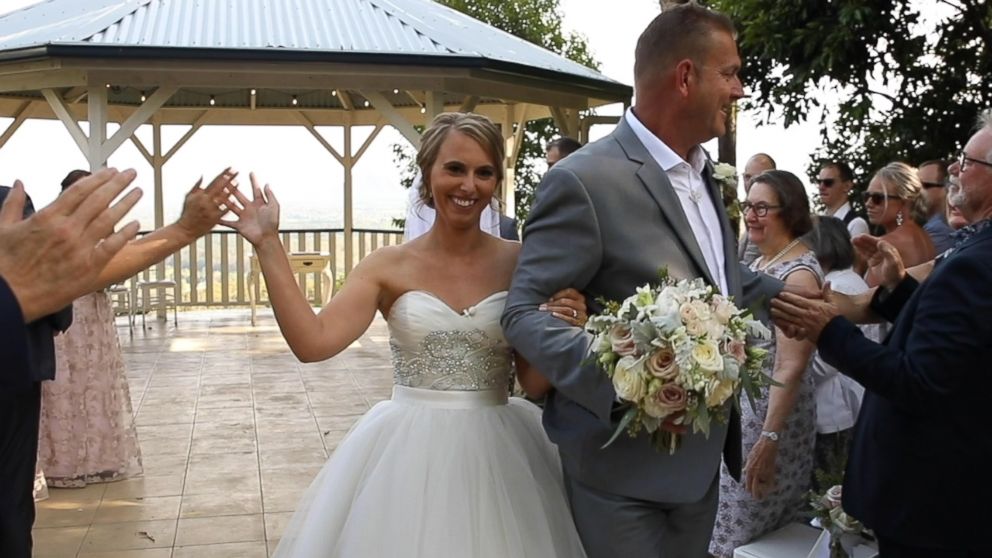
(605, 220)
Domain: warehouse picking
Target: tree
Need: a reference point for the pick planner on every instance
(896, 80)
(538, 22)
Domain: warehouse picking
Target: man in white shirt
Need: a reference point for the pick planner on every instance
(835, 182)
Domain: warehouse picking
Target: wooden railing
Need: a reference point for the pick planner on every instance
(222, 262)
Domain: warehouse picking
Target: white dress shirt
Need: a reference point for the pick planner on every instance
(697, 203)
(856, 226)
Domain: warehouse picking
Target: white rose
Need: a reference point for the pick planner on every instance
(723, 309)
(707, 356)
(629, 379)
(718, 391)
(832, 498)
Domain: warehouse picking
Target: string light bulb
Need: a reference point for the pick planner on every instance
(295, 101)
(252, 92)
(213, 101)
(143, 98)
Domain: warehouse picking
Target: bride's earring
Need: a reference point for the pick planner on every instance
(899, 219)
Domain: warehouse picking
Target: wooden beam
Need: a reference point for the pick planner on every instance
(62, 112)
(142, 149)
(395, 119)
(154, 102)
(96, 110)
(435, 104)
(19, 117)
(469, 103)
(308, 124)
(200, 121)
(346, 100)
(367, 142)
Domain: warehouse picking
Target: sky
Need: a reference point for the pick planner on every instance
(307, 180)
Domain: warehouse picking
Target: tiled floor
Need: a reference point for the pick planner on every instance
(232, 429)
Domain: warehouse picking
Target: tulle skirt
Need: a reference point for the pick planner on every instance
(438, 474)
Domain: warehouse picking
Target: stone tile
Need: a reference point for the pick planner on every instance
(256, 549)
(130, 535)
(275, 524)
(61, 512)
(221, 529)
(121, 510)
(58, 542)
(221, 503)
(142, 553)
(147, 487)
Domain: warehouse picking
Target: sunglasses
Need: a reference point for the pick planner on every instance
(828, 182)
(928, 185)
(878, 198)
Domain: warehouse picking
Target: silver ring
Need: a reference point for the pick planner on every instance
(575, 313)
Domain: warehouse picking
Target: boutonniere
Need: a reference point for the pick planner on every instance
(725, 176)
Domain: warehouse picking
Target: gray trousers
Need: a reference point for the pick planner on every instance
(611, 525)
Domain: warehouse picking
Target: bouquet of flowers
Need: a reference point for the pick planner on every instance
(844, 531)
(677, 351)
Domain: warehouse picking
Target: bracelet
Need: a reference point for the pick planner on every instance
(771, 436)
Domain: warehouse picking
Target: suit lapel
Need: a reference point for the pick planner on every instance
(730, 260)
(656, 182)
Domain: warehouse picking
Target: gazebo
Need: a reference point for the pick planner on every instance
(309, 63)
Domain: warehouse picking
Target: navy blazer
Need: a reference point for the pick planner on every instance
(918, 468)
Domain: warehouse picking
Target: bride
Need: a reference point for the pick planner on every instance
(449, 466)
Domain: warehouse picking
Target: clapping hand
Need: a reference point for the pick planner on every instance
(883, 260)
(801, 317)
(204, 207)
(258, 218)
(58, 253)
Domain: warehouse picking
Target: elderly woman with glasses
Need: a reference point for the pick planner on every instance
(779, 432)
(894, 202)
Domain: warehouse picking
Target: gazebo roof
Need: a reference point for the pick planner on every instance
(376, 32)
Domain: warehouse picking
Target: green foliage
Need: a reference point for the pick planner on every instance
(538, 22)
(894, 83)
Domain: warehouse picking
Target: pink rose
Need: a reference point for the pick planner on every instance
(669, 399)
(661, 364)
(736, 349)
(622, 340)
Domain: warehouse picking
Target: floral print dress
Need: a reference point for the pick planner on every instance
(87, 432)
(740, 518)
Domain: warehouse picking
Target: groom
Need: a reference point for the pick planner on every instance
(606, 219)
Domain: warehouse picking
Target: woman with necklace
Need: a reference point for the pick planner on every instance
(780, 430)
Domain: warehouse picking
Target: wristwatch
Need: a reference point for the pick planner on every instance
(772, 436)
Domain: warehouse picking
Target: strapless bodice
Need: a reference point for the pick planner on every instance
(436, 347)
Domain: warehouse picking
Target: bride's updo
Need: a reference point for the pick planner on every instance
(475, 126)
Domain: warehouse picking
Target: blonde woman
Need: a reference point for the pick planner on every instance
(894, 202)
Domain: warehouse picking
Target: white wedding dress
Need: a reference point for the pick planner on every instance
(449, 467)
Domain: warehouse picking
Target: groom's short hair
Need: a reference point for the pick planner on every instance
(677, 33)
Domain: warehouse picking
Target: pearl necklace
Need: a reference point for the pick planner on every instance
(778, 256)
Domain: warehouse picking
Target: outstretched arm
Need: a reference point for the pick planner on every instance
(311, 337)
(562, 248)
(202, 209)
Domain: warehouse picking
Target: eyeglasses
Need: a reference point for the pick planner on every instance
(828, 182)
(928, 185)
(760, 209)
(878, 198)
(965, 161)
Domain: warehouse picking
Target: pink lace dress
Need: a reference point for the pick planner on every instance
(87, 430)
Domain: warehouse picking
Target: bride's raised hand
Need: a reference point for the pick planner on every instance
(257, 218)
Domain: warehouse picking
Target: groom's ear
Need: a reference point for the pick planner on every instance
(683, 75)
